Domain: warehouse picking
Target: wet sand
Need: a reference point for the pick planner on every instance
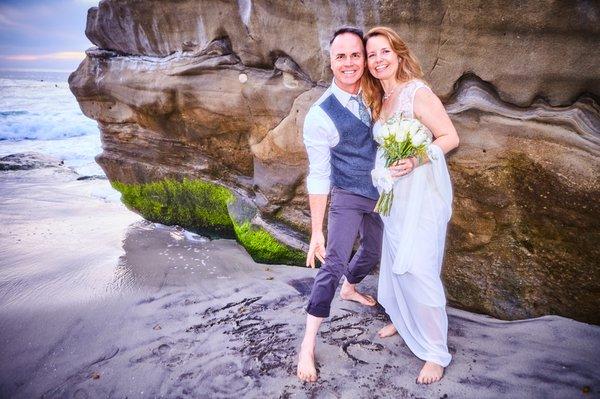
(95, 302)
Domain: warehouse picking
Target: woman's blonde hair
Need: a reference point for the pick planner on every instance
(408, 68)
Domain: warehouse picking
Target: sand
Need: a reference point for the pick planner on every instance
(96, 302)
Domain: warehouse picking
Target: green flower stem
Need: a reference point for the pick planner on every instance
(384, 203)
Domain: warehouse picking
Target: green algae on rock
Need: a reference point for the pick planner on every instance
(209, 209)
(192, 204)
(264, 248)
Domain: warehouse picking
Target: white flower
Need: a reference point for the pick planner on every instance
(414, 127)
(382, 179)
(401, 130)
(419, 138)
(379, 136)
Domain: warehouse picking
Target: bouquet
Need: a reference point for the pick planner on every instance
(399, 138)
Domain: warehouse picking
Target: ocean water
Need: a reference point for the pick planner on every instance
(39, 113)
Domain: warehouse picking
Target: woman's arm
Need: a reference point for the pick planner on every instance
(430, 111)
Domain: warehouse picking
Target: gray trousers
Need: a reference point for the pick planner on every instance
(350, 215)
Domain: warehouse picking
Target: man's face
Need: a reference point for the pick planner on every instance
(347, 61)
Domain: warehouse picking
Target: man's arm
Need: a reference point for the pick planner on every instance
(318, 139)
(318, 204)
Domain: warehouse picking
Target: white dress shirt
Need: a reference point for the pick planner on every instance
(320, 135)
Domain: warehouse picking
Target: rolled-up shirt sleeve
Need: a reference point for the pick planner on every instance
(317, 140)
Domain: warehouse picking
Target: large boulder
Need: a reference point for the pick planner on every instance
(526, 49)
(522, 238)
(217, 91)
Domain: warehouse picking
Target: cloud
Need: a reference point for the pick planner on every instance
(39, 27)
(63, 55)
(9, 19)
(43, 33)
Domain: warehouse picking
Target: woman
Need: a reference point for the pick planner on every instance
(410, 288)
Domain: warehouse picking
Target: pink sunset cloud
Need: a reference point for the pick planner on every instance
(63, 55)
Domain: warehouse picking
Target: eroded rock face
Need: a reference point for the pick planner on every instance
(522, 240)
(183, 115)
(219, 91)
(525, 49)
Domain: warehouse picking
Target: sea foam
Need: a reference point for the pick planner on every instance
(39, 113)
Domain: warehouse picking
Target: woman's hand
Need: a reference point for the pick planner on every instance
(403, 167)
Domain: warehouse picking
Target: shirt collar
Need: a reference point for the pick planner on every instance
(342, 96)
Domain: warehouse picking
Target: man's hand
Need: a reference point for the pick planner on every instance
(316, 248)
(318, 203)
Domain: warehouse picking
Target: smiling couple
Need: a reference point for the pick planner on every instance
(338, 135)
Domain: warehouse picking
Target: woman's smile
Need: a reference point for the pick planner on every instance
(381, 60)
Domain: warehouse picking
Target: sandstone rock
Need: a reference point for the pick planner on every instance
(525, 49)
(29, 160)
(283, 144)
(521, 238)
(201, 117)
(581, 117)
(218, 91)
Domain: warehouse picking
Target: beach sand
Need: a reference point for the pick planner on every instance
(96, 302)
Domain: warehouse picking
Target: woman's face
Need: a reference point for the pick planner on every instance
(382, 61)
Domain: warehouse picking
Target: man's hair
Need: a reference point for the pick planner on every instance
(347, 29)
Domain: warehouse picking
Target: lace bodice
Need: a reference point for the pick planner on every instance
(404, 104)
(406, 97)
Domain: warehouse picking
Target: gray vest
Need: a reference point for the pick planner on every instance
(353, 158)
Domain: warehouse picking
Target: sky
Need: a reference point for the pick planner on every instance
(43, 34)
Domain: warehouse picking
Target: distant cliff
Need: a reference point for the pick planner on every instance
(217, 91)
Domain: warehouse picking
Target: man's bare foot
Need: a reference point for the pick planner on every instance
(349, 293)
(387, 331)
(306, 364)
(430, 373)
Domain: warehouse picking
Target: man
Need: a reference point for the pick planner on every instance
(341, 154)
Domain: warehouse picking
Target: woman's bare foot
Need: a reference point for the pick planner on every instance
(349, 293)
(430, 373)
(307, 371)
(387, 331)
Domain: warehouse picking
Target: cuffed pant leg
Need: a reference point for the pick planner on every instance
(344, 221)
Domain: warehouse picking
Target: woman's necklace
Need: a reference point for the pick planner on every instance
(388, 95)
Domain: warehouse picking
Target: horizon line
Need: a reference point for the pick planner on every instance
(35, 70)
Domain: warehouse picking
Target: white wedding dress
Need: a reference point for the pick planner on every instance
(410, 287)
